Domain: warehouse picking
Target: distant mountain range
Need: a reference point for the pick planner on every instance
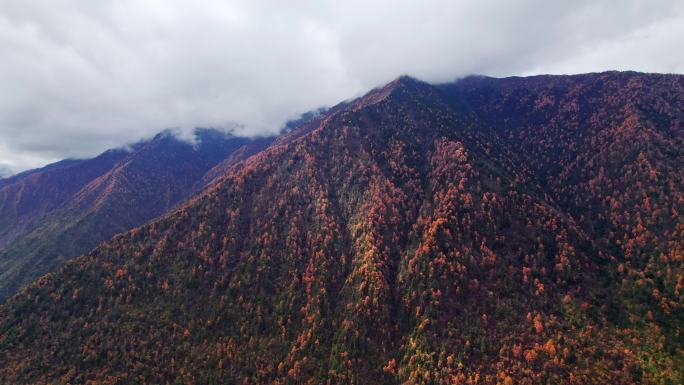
(486, 231)
(57, 212)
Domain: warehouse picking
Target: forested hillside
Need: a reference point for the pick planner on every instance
(487, 231)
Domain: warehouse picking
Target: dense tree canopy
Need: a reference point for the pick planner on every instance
(490, 231)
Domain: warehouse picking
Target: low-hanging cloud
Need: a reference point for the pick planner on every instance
(82, 76)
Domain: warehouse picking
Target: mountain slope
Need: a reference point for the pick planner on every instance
(29, 196)
(63, 210)
(403, 239)
(609, 149)
(10, 179)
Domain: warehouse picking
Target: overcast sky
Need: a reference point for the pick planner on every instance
(80, 76)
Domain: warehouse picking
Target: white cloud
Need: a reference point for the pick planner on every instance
(82, 76)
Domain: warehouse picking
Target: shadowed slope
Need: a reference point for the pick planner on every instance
(62, 211)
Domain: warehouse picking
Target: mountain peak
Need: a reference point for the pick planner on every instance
(402, 84)
(406, 82)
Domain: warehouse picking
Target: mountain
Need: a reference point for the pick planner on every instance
(243, 152)
(27, 197)
(55, 213)
(517, 230)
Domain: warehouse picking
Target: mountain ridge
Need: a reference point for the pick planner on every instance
(417, 235)
(132, 187)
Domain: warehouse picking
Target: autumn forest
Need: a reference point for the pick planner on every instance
(524, 230)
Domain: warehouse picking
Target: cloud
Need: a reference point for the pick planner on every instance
(81, 76)
(4, 171)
